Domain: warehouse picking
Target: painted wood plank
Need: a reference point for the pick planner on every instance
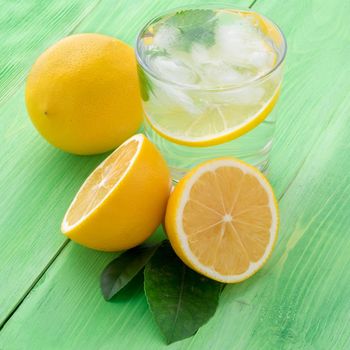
(128, 17)
(300, 300)
(28, 27)
(33, 199)
(315, 79)
(37, 182)
(30, 186)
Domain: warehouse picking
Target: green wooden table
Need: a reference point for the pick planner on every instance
(49, 287)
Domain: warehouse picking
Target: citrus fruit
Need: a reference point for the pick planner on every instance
(123, 201)
(216, 126)
(222, 219)
(82, 94)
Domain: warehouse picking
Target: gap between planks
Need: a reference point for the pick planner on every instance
(37, 279)
(65, 243)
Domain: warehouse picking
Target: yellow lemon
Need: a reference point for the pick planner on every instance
(206, 127)
(123, 201)
(82, 94)
(222, 220)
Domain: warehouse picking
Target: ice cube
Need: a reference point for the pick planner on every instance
(249, 95)
(200, 54)
(173, 70)
(229, 34)
(174, 96)
(220, 73)
(243, 46)
(236, 52)
(165, 37)
(262, 60)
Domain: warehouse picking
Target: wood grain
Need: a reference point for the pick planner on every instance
(31, 189)
(27, 28)
(316, 80)
(300, 300)
(37, 182)
(33, 201)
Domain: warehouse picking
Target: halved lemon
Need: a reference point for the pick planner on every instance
(123, 201)
(222, 220)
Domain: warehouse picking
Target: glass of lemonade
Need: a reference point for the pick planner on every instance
(209, 78)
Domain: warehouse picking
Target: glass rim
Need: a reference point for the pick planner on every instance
(217, 6)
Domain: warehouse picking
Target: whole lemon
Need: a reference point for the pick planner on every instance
(82, 94)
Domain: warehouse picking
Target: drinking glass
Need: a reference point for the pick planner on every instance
(210, 77)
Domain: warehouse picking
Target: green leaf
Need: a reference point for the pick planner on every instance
(124, 268)
(145, 84)
(180, 299)
(191, 18)
(195, 26)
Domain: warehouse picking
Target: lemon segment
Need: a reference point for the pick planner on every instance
(211, 137)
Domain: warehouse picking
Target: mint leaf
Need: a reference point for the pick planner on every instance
(190, 18)
(180, 299)
(145, 84)
(195, 26)
(124, 268)
(202, 36)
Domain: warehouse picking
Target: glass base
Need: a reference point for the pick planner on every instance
(253, 148)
